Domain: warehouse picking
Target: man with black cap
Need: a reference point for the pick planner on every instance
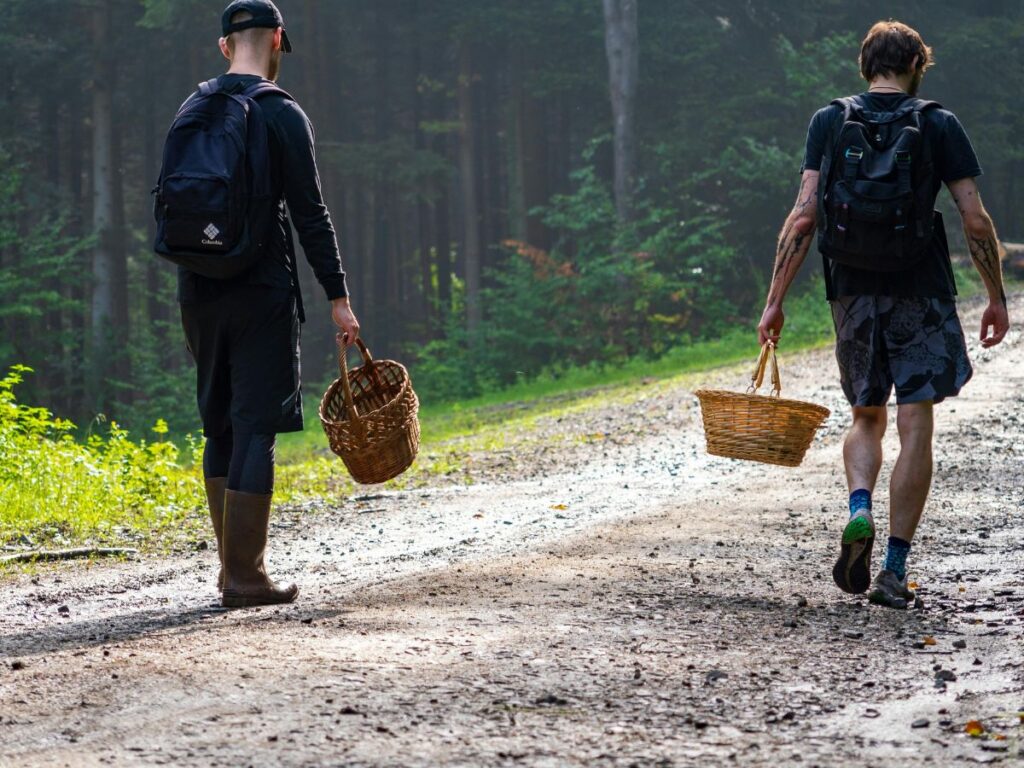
(244, 332)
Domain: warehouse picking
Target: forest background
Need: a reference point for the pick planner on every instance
(520, 188)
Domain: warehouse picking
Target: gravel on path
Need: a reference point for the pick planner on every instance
(605, 594)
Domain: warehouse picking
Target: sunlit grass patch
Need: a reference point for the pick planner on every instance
(56, 491)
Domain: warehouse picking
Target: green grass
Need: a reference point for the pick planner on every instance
(56, 491)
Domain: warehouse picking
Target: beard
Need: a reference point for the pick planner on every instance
(915, 82)
(275, 66)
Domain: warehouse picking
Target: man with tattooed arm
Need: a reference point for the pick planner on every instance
(892, 298)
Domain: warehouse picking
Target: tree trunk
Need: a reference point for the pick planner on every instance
(622, 48)
(467, 173)
(104, 269)
(366, 207)
(118, 253)
(488, 154)
(443, 245)
(397, 312)
(381, 317)
(348, 238)
(534, 171)
(426, 302)
(426, 261)
(514, 126)
(76, 289)
(53, 324)
(156, 306)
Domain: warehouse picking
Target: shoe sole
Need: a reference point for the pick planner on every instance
(852, 571)
(878, 597)
(235, 600)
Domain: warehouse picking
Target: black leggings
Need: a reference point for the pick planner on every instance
(245, 459)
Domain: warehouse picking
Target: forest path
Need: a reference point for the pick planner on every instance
(613, 597)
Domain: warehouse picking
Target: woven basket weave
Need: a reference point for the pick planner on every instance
(765, 428)
(370, 416)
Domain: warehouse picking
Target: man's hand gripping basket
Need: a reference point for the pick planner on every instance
(370, 417)
(756, 427)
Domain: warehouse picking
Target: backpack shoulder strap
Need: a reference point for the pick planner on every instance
(917, 107)
(849, 106)
(922, 105)
(257, 91)
(265, 88)
(208, 87)
(846, 105)
(203, 89)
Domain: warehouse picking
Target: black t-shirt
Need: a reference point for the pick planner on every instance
(297, 183)
(953, 157)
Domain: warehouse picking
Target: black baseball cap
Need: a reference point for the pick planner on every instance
(264, 15)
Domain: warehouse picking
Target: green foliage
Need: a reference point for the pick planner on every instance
(603, 294)
(173, 14)
(107, 488)
(724, 94)
(980, 66)
(819, 70)
(29, 285)
(162, 392)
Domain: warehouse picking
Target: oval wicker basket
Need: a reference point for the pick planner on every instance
(765, 428)
(370, 416)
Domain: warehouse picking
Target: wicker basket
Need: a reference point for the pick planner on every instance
(759, 427)
(370, 417)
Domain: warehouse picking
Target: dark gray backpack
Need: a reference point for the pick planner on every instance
(876, 190)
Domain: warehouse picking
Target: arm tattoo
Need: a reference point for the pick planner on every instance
(982, 240)
(790, 255)
(801, 205)
(985, 254)
(792, 247)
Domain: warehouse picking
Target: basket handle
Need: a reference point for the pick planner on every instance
(767, 355)
(346, 388)
(343, 354)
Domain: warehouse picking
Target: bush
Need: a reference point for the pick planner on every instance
(604, 293)
(107, 488)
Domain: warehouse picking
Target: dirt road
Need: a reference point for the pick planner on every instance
(607, 595)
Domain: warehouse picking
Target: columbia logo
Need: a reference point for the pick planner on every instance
(211, 231)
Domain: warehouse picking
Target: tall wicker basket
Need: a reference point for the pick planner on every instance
(763, 428)
(370, 416)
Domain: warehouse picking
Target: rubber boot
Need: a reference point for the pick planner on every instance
(246, 519)
(215, 489)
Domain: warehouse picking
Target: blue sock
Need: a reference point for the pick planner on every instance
(860, 499)
(896, 557)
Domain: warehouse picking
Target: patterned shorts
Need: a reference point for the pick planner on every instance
(914, 344)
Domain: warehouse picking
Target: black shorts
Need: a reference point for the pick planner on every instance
(246, 348)
(914, 344)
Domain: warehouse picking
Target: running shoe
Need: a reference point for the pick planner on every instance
(852, 571)
(890, 591)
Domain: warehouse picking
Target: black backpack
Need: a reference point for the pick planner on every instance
(876, 190)
(214, 201)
